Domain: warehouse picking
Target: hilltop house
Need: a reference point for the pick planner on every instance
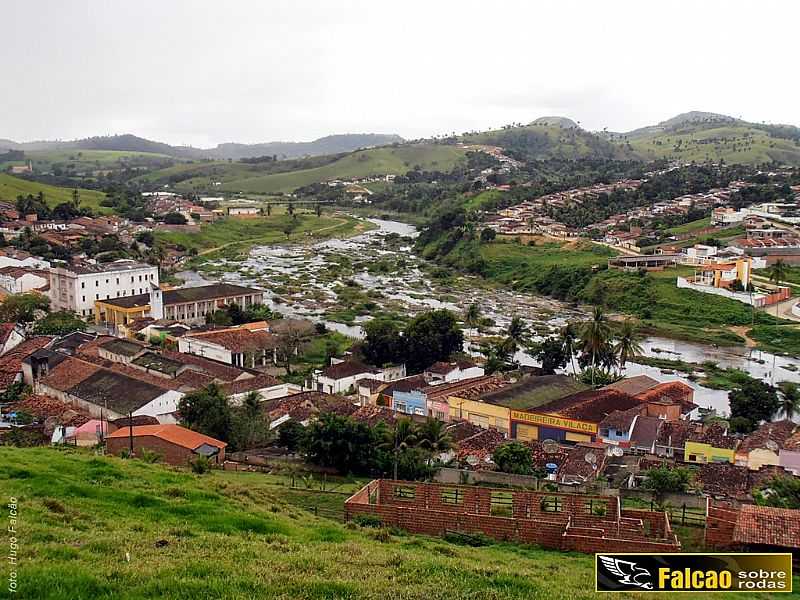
(176, 445)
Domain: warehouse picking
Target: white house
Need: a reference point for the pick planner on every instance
(341, 378)
(17, 280)
(11, 336)
(448, 372)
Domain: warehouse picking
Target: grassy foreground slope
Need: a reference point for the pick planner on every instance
(101, 527)
(11, 187)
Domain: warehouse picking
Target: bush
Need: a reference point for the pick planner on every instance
(200, 465)
(513, 457)
(149, 456)
(368, 520)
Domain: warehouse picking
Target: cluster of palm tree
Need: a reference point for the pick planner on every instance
(790, 399)
(431, 436)
(598, 345)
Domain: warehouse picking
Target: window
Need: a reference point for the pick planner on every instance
(106, 281)
(140, 277)
(97, 296)
(83, 284)
(452, 496)
(97, 283)
(404, 492)
(551, 504)
(117, 280)
(502, 504)
(83, 298)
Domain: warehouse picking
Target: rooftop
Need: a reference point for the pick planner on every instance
(120, 393)
(158, 362)
(348, 368)
(122, 347)
(591, 405)
(116, 266)
(534, 392)
(633, 385)
(215, 291)
(238, 340)
(770, 436)
(174, 434)
(768, 526)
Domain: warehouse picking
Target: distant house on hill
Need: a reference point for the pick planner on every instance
(176, 445)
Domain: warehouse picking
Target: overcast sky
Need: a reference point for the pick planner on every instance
(202, 72)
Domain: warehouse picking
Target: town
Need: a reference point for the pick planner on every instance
(322, 300)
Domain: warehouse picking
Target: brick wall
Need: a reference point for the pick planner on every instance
(551, 520)
(720, 522)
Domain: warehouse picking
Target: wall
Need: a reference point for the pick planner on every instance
(412, 403)
(199, 347)
(720, 523)
(162, 407)
(707, 453)
(525, 518)
(479, 413)
(790, 459)
(760, 457)
(78, 291)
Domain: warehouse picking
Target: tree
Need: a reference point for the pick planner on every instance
(488, 234)
(627, 345)
(146, 237)
(290, 208)
(513, 457)
(433, 436)
(780, 492)
(23, 308)
(754, 400)
(76, 199)
(174, 218)
(291, 335)
(778, 273)
(517, 331)
(551, 352)
(290, 435)
(568, 337)
(249, 427)
(472, 316)
(595, 334)
(664, 480)
(431, 337)
(383, 344)
(207, 411)
(59, 323)
(342, 443)
(790, 399)
(400, 439)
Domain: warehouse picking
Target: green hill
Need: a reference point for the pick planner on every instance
(94, 527)
(239, 177)
(550, 137)
(11, 187)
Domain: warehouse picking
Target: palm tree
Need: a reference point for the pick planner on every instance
(472, 316)
(595, 334)
(517, 330)
(627, 345)
(568, 336)
(402, 437)
(790, 399)
(434, 436)
(777, 273)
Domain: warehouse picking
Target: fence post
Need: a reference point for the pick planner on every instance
(683, 514)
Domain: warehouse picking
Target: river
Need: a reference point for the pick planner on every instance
(304, 281)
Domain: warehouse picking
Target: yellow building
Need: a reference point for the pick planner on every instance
(701, 453)
(530, 426)
(481, 414)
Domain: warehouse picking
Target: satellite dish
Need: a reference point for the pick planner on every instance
(550, 446)
(771, 445)
(472, 461)
(617, 451)
(590, 458)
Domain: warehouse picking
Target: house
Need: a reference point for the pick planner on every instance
(108, 393)
(709, 443)
(763, 446)
(11, 336)
(11, 361)
(447, 372)
(188, 304)
(176, 445)
(303, 407)
(244, 211)
(672, 437)
(18, 280)
(250, 345)
(753, 528)
(342, 378)
(77, 287)
(789, 454)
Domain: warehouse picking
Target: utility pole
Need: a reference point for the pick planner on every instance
(130, 432)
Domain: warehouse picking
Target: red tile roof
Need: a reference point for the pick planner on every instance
(11, 361)
(675, 391)
(346, 369)
(175, 434)
(768, 526)
(590, 405)
(250, 384)
(633, 385)
(777, 433)
(239, 340)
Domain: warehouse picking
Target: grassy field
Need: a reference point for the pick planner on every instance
(240, 234)
(101, 527)
(738, 143)
(11, 187)
(690, 227)
(509, 260)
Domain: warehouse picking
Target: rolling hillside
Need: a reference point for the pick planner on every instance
(701, 136)
(550, 137)
(237, 177)
(102, 527)
(130, 143)
(11, 187)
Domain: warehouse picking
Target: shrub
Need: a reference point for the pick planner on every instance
(200, 465)
(367, 520)
(149, 456)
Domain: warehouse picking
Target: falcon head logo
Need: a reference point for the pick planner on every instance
(627, 572)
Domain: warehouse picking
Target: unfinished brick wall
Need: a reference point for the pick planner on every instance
(553, 520)
(720, 522)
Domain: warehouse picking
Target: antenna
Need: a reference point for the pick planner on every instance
(550, 446)
(617, 451)
(771, 445)
(472, 461)
(590, 458)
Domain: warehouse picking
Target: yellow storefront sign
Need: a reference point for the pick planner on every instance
(554, 421)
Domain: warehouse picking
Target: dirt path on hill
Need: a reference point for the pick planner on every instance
(742, 331)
